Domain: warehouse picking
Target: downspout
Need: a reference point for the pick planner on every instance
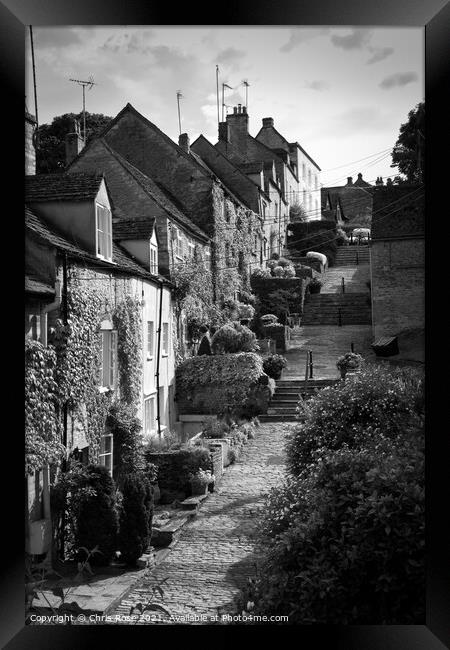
(158, 416)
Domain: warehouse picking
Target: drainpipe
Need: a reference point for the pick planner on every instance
(158, 354)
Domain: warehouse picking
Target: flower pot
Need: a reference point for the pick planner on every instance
(198, 489)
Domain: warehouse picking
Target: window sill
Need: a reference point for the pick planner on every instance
(164, 354)
(149, 357)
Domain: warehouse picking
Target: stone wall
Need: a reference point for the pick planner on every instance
(398, 285)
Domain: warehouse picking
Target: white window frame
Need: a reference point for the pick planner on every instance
(150, 422)
(103, 236)
(191, 248)
(153, 259)
(107, 454)
(108, 373)
(165, 340)
(150, 334)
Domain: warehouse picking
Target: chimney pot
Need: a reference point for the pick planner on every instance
(183, 141)
(349, 180)
(267, 121)
(244, 109)
(235, 109)
(74, 143)
(360, 175)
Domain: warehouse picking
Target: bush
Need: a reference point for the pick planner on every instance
(174, 468)
(232, 456)
(97, 521)
(377, 399)
(216, 429)
(233, 338)
(268, 319)
(345, 543)
(134, 533)
(314, 235)
(126, 430)
(218, 384)
(273, 365)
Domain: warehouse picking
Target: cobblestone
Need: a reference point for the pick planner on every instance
(216, 553)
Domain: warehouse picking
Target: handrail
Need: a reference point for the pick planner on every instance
(306, 367)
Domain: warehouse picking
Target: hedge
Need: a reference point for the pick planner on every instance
(174, 467)
(263, 287)
(216, 384)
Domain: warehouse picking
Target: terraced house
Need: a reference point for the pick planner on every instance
(98, 324)
(211, 210)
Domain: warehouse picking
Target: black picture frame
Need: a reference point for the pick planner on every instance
(434, 15)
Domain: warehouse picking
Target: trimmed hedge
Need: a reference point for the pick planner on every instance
(135, 521)
(174, 467)
(264, 287)
(217, 384)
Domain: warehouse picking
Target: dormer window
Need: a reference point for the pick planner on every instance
(103, 233)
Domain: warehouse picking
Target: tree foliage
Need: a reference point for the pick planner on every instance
(408, 154)
(51, 152)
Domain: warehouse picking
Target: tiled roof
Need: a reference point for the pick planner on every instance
(133, 228)
(62, 187)
(398, 212)
(354, 200)
(121, 261)
(36, 286)
(158, 193)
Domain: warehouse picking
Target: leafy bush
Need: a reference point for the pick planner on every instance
(245, 310)
(174, 468)
(273, 365)
(232, 456)
(221, 383)
(216, 429)
(134, 532)
(268, 319)
(349, 361)
(126, 430)
(233, 338)
(345, 541)
(377, 399)
(261, 273)
(97, 517)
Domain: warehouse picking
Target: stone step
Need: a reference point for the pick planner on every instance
(193, 503)
(165, 534)
(277, 418)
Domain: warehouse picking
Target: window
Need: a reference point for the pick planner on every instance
(153, 259)
(191, 249)
(165, 339)
(105, 455)
(104, 236)
(150, 415)
(108, 366)
(150, 339)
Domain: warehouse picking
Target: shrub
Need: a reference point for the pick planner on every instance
(349, 361)
(268, 319)
(216, 429)
(278, 271)
(273, 365)
(174, 468)
(126, 430)
(261, 273)
(376, 399)
(282, 261)
(97, 520)
(232, 456)
(221, 383)
(245, 310)
(233, 338)
(345, 542)
(134, 532)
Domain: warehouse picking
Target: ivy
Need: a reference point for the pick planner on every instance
(127, 319)
(42, 424)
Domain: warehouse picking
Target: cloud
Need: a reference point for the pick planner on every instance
(399, 79)
(317, 85)
(356, 40)
(137, 42)
(299, 36)
(362, 119)
(48, 37)
(230, 57)
(379, 53)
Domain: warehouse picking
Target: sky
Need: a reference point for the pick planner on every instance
(340, 92)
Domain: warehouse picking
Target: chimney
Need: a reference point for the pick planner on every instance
(360, 176)
(224, 132)
(349, 180)
(237, 123)
(30, 146)
(183, 141)
(74, 143)
(267, 121)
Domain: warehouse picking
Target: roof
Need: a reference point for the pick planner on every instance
(399, 212)
(158, 193)
(353, 199)
(296, 144)
(62, 187)
(133, 228)
(38, 287)
(122, 261)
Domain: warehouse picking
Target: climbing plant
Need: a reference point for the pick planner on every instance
(127, 319)
(42, 424)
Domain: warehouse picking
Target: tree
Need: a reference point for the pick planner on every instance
(50, 152)
(408, 153)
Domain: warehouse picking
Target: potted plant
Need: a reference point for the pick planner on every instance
(274, 365)
(315, 285)
(200, 481)
(349, 362)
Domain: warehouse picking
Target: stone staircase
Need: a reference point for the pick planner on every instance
(283, 405)
(323, 309)
(355, 279)
(352, 255)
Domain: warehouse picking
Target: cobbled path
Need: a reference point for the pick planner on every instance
(215, 553)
